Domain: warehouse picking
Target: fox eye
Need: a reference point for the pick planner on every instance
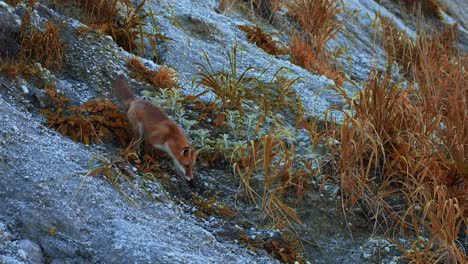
(185, 151)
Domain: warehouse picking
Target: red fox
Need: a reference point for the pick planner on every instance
(224, 5)
(150, 123)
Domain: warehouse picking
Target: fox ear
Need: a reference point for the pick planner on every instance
(185, 151)
(195, 154)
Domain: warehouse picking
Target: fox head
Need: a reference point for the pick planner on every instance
(185, 161)
(168, 137)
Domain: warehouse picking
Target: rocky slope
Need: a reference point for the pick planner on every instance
(51, 212)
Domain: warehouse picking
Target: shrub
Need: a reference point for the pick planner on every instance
(87, 123)
(161, 78)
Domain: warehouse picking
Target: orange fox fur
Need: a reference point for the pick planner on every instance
(224, 5)
(150, 123)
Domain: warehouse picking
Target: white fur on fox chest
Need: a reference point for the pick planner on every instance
(140, 129)
(165, 147)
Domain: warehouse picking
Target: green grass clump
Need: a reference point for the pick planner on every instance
(231, 88)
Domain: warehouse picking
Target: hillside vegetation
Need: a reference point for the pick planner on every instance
(329, 131)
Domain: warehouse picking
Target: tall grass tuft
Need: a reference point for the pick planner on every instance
(402, 151)
(43, 46)
(317, 19)
(230, 87)
(266, 172)
(318, 24)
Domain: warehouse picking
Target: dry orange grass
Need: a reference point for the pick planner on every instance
(273, 160)
(161, 78)
(37, 45)
(400, 48)
(13, 2)
(430, 8)
(408, 145)
(14, 67)
(304, 55)
(317, 20)
(100, 10)
(45, 47)
(118, 19)
(255, 34)
(92, 121)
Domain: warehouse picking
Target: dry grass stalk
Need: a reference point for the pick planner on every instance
(406, 52)
(120, 20)
(270, 158)
(399, 47)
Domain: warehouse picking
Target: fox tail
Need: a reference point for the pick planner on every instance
(123, 93)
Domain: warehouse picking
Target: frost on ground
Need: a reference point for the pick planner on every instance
(63, 217)
(50, 211)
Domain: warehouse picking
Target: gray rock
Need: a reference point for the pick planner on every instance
(50, 211)
(29, 251)
(92, 223)
(9, 31)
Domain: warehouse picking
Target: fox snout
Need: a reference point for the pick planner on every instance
(185, 164)
(184, 159)
(188, 175)
(181, 169)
